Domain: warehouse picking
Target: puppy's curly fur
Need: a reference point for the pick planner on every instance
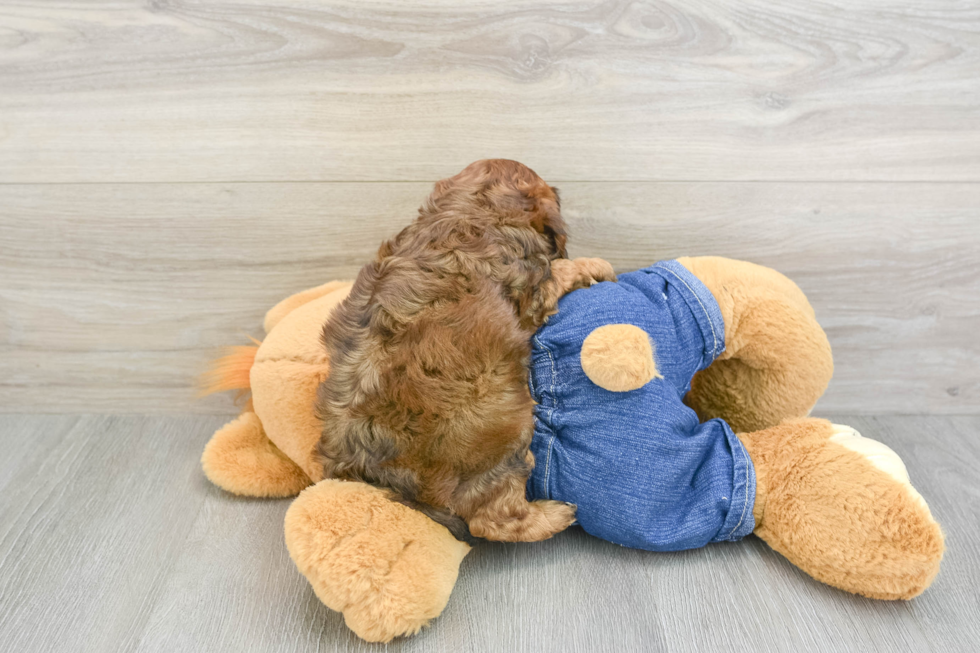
(427, 393)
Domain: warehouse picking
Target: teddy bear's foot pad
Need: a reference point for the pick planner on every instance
(389, 569)
(240, 459)
(878, 454)
(841, 507)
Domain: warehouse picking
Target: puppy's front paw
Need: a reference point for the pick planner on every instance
(572, 274)
(597, 269)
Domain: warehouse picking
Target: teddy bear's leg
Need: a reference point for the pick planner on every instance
(842, 509)
(388, 568)
(777, 360)
(240, 459)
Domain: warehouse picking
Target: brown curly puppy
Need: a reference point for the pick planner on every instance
(427, 393)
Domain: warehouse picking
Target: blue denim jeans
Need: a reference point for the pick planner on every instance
(641, 468)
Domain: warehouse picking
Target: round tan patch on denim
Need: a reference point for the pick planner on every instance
(619, 357)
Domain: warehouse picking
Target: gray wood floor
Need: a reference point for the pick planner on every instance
(112, 540)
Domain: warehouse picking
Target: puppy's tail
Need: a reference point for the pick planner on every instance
(229, 372)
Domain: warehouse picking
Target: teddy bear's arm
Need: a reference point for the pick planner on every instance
(291, 303)
(240, 458)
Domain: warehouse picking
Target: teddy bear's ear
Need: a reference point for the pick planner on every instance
(619, 357)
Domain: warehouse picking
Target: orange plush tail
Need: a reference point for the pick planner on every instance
(230, 372)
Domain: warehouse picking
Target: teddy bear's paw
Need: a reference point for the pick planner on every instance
(389, 569)
(840, 507)
(878, 454)
(242, 460)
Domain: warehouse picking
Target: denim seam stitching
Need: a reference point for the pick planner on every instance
(711, 323)
(745, 505)
(551, 410)
(714, 348)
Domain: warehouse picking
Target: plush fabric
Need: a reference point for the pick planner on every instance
(275, 314)
(619, 357)
(388, 568)
(241, 459)
(289, 367)
(777, 359)
(838, 516)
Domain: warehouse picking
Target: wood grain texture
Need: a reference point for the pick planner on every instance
(110, 539)
(91, 518)
(114, 296)
(275, 90)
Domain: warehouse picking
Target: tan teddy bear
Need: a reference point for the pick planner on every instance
(837, 505)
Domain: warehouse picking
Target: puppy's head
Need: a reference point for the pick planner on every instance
(512, 191)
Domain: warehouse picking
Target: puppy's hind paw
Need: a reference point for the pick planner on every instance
(533, 522)
(559, 515)
(545, 519)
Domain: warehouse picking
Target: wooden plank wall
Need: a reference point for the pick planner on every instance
(169, 170)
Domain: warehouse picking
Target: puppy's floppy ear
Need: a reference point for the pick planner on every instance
(546, 219)
(515, 187)
(557, 196)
